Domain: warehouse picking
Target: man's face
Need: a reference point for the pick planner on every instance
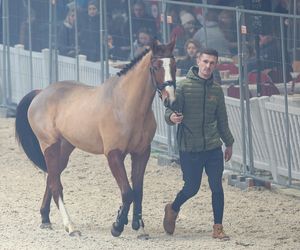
(207, 64)
(92, 10)
(72, 18)
(144, 38)
(190, 27)
(191, 50)
(138, 10)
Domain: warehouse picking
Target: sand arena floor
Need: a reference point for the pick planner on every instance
(255, 219)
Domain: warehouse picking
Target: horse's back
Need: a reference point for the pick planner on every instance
(67, 110)
(63, 95)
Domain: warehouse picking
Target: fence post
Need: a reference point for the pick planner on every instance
(269, 141)
(81, 61)
(45, 59)
(287, 121)
(19, 75)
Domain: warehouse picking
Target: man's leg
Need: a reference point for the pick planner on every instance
(192, 168)
(214, 168)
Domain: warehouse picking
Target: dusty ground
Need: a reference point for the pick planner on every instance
(255, 219)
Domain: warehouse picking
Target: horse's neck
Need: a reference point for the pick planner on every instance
(137, 88)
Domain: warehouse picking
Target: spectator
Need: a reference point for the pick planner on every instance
(140, 19)
(89, 28)
(41, 9)
(118, 27)
(282, 7)
(115, 52)
(16, 17)
(66, 35)
(192, 48)
(143, 42)
(227, 25)
(185, 31)
(156, 15)
(269, 57)
(213, 34)
(36, 39)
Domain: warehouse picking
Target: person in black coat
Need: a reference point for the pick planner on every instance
(183, 65)
(270, 58)
(66, 35)
(89, 28)
(141, 20)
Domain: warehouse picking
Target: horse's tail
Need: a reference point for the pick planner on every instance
(25, 135)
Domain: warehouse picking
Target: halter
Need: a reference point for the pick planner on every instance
(157, 85)
(161, 86)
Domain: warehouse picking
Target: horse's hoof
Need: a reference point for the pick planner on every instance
(143, 237)
(75, 233)
(116, 230)
(137, 222)
(46, 226)
(135, 225)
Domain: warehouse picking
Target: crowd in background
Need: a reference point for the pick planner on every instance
(185, 22)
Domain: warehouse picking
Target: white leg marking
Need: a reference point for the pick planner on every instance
(65, 216)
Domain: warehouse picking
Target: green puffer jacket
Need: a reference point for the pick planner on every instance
(205, 120)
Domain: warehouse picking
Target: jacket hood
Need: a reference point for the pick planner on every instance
(193, 75)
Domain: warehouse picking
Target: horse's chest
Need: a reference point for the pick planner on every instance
(141, 134)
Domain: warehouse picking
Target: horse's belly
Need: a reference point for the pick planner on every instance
(81, 132)
(92, 144)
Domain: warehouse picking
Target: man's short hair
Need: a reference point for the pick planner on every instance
(208, 51)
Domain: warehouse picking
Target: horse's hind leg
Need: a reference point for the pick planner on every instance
(117, 167)
(45, 208)
(57, 156)
(139, 162)
(65, 150)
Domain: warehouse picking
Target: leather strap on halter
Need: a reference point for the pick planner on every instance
(161, 86)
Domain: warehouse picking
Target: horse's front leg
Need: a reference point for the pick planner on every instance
(117, 167)
(139, 162)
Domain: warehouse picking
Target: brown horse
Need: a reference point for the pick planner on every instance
(114, 119)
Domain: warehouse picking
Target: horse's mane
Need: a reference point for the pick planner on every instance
(133, 62)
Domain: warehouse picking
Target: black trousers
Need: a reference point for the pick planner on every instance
(192, 165)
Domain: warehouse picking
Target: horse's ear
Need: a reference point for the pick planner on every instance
(154, 45)
(172, 43)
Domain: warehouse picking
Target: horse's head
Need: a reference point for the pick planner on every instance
(163, 68)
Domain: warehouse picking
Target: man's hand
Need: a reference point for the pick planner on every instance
(228, 153)
(176, 118)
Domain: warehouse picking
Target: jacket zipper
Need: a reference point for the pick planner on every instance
(203, 121)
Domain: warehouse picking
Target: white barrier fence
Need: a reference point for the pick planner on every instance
(89, 72)
(267, 113)
(269, 137)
